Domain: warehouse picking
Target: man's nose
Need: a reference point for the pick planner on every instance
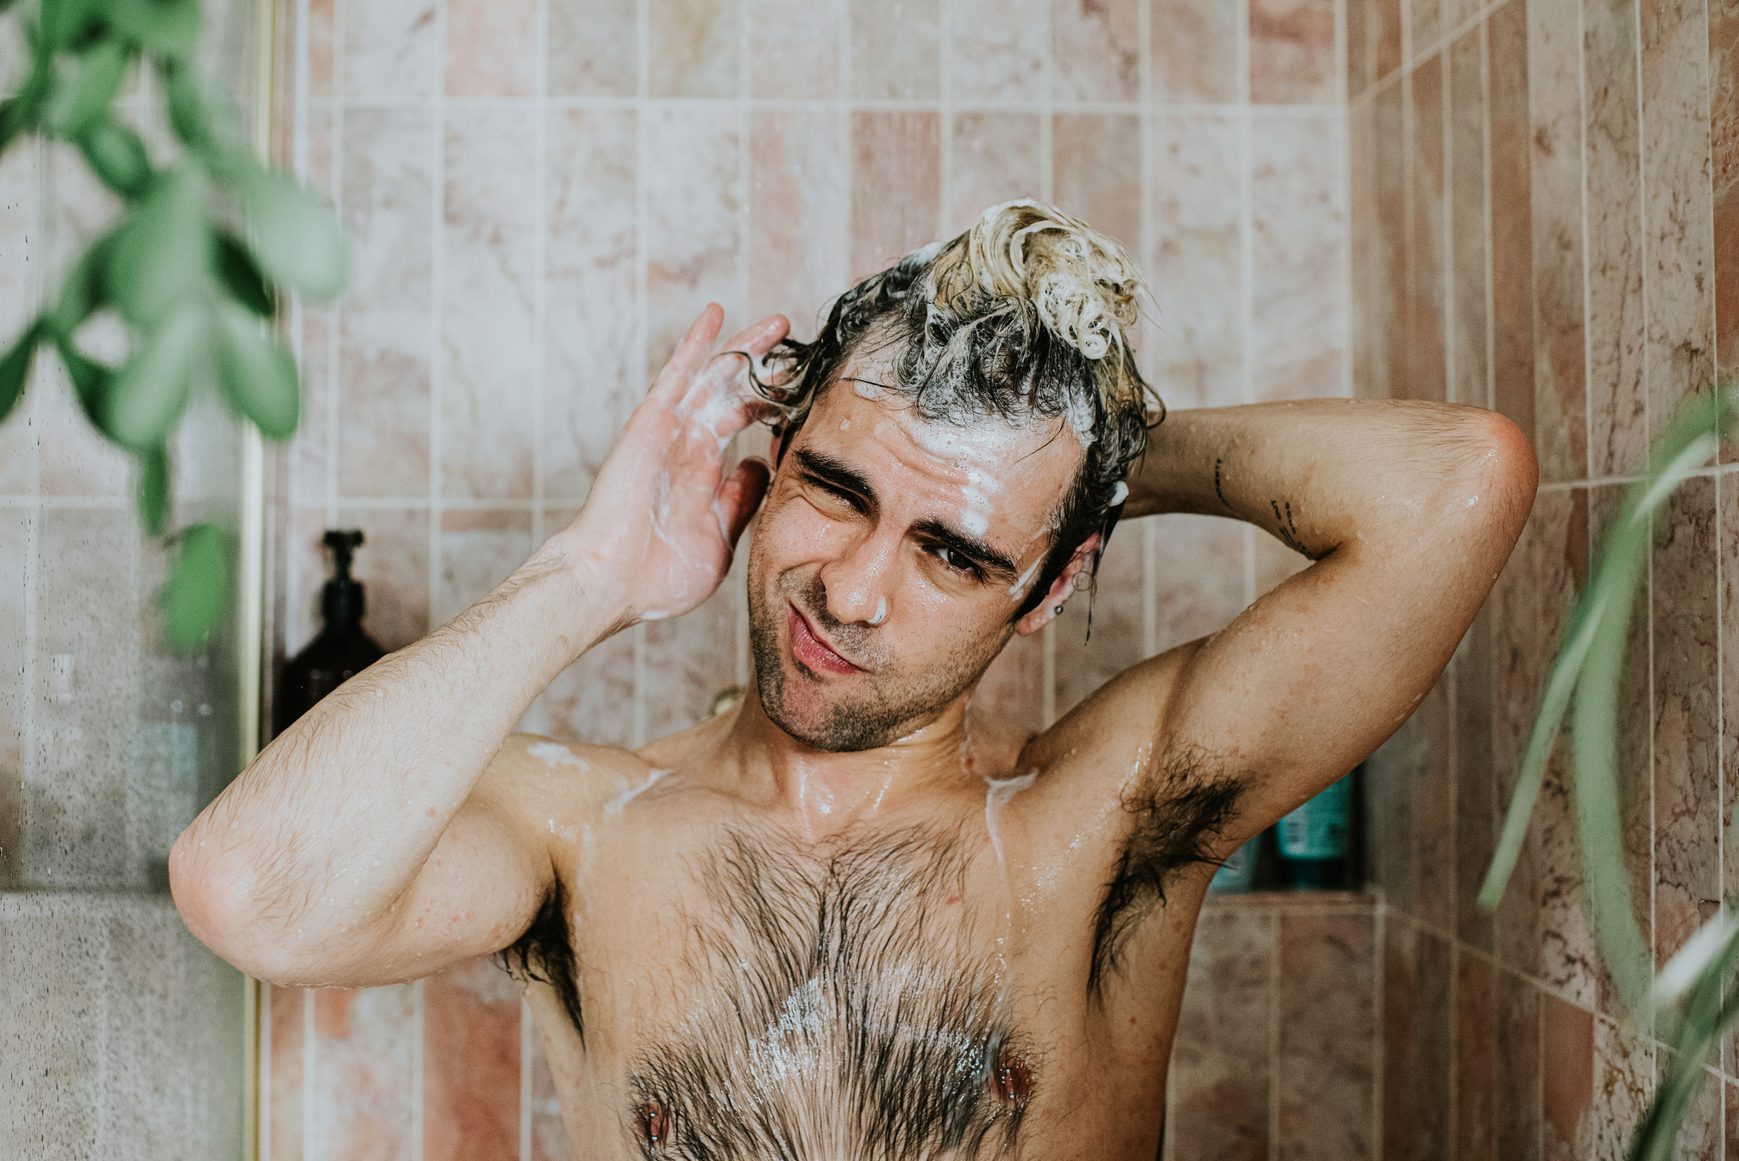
(858, 584)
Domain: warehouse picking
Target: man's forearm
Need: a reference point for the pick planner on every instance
(340, 812)
(1314, 472)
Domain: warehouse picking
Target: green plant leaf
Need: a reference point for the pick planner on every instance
(15, 369)
(65, 21)
(154, 490)
(236, 270)
(90, 379)
(161, 251)
(205, 120)
(117, 155)
(293, 235)
(85, 290)
(86, 89)
(168, 28)
(198, 587)
(258, 375)
(148, 393)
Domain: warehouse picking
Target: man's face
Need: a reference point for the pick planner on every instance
(890, 555)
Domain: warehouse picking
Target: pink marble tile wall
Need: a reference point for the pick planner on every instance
(1572, 269)
(542, 193)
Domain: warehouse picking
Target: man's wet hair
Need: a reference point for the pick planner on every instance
(1022, 317)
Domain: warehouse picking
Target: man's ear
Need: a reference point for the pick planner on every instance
(1062, 587)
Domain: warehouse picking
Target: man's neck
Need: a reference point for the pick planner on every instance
(824, 791)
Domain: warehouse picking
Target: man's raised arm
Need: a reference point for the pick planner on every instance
(1409, 509)
(364, 808)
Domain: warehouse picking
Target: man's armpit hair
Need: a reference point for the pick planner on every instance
(1179, 809)
(546, 941)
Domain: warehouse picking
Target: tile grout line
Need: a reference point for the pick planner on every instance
(1451, 321)
(1283, 109)
(1246, 263)
(642, 325)
(437, 270)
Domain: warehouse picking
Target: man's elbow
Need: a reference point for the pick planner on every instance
(1499, 472)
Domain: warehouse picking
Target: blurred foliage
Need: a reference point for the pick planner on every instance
(1686, 1004)
(203, 251)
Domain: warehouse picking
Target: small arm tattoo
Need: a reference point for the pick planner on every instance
(1288, 530)
(1218, 490)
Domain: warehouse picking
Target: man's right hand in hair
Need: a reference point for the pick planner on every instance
(399, 824)
(663, 515)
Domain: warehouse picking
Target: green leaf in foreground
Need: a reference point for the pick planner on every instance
(293, 235)
(198, 587)
(258, 375)
(165, 27)
(15, 370)
(154, 490)
(240, 275)
(116, 154)
(160, 252)
(85, 90)
(148, 393)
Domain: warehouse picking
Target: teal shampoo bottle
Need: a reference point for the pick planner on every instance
(1314, 842)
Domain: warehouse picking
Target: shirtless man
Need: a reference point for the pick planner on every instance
(834, 923)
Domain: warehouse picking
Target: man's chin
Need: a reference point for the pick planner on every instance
(818, 723)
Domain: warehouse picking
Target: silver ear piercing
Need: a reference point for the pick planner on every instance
(1058, 610)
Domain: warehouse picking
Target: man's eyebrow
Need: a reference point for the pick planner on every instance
(834, 471)
(994, 560)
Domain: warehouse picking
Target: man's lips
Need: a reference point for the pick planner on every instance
(812, 650)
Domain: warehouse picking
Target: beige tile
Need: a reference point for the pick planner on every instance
(1727, 550)
(1677, 216)
(385, 323)
(693, 189)
(1198, 576)
(1567, 1091)
(1512, 267)
(1686, 606)
(997, 157)
(488, 356)
(1220, 1073)
(593, 699)
(799, 207)
(593, 374)
(1388, 37)
(1292, 52)
(478, 549)
(1196, 262)
(489, 45)
(287, 1084)
(691, 659)
(390, 49)
(393, 564)
(796, 51)
(1555, 104)
(593, 48)
(1096, 49)
(471, 1062)
(1391, 316)
(1623, 1084)
(1724, 132)
(1298, 231)
(1361, 37)
(1416, 1040)
(1096, 172)
(996, 49)
(1618, 437)
(1476, 805)
(1477, 1094)
(1119, 635)
(1636, 781)
(1425, 25)
(361, 1095)
(1366, 357)
(896, 192)
(14, 636)
(1195, 52)
(1518, 1068)
(1468, 232)
(1425, 338)
(895, 50)
(693, 48)
(1326, 1043)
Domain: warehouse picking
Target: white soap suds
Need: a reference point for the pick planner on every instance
(556, 754)
(881, 613)
(616, 804)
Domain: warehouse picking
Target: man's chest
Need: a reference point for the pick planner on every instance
(913, 992)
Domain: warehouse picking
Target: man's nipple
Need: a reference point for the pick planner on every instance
(1012, 1079)
(654, 1123)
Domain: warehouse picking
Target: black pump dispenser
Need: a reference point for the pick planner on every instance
(341, 649)
(341, 601)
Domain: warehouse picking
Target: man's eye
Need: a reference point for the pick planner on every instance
(963, 565)
(839, 494)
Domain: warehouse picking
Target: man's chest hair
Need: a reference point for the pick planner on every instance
(848, 1005)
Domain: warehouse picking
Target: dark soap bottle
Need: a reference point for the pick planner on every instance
(340, 651)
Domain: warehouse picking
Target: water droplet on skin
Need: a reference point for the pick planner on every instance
(881, 613)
